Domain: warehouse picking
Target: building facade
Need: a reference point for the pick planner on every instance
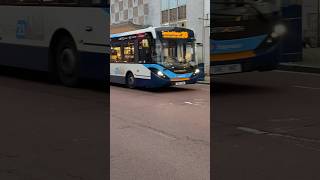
(192, 14)
(138, 12)
(311, 22)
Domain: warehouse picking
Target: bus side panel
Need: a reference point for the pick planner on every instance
(94, 65)
(117, 79)
(118, 72)
(264, 60)
(89, 29)
(21, 56)
(22, 38)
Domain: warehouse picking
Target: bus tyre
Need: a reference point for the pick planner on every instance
(67, 62)
(130, 80)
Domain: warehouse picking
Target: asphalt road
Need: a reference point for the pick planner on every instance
(160, 135)
(50, 132)
(266, 126)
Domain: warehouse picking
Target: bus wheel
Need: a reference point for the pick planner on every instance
(130, 81)
(67, 62)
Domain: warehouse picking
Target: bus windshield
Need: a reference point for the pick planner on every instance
(175, 53)
(244, 9)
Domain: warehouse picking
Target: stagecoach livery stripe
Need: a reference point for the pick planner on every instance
(169, 73)
(236, 45)
(138, 70)
(232, 56)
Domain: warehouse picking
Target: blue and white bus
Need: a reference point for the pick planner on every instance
(245, 35)
(154, 57)
(68, 38)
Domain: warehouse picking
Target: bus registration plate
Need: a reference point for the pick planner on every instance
(224, 69)
(180, 83)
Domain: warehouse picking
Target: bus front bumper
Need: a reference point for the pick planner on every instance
(262, 61)
(158, 82)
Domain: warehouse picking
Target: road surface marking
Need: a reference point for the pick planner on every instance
(302, 73)
(287, 136)
(252, 131)
(188, 103)
(307, 87)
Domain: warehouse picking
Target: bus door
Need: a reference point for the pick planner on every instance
(144, 50)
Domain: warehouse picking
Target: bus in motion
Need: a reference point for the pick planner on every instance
(245, 35)
(69, 39)
(154, 57)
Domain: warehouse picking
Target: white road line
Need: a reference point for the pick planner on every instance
(259, 132)
(252, 131)
(294, 72)
(307, 87)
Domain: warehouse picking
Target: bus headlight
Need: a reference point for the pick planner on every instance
(279, 30)
(197, 71)
(160, 74)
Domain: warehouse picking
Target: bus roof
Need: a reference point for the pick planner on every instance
(152, 30)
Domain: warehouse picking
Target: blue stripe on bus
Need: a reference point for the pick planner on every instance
(167, 72)
(236, 45)
(270, 56)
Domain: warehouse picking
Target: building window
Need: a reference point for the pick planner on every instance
(182, 12)
(130, 4)
(135, 12)
(112, 8)
(146, 9)
(125, 15)
(165, 16)
(173, 15)
(173, 11)
(117, 17)
(120, 5)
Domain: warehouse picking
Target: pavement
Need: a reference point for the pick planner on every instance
(157, 135)
(265, 125)
(50, 132)
(310, 62)
(205, 81)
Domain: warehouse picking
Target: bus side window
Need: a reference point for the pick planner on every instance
(128, 53)
(116, 55)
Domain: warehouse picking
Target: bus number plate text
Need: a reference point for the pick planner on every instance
(180, 83)
(224, 69)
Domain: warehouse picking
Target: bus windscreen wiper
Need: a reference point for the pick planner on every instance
(259, 13)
